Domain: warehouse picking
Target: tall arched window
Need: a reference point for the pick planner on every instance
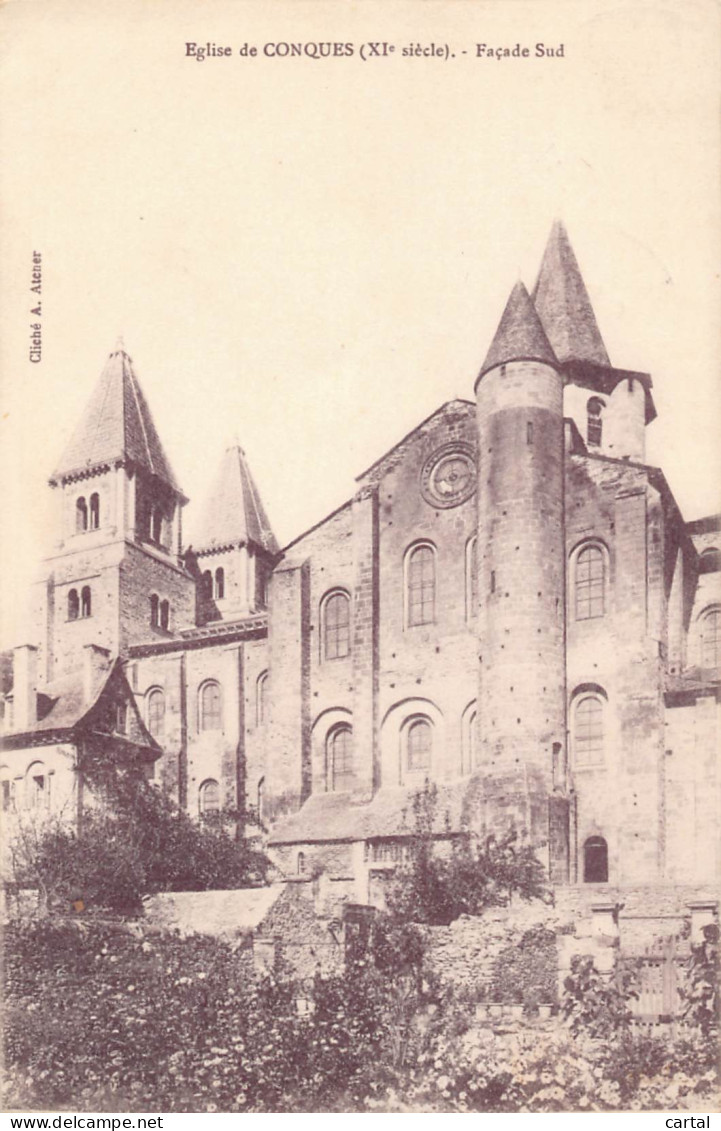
(210, 712)
(335, 617)
(81, 515)
(94, 511)
(209, 797)
(207, 584)
(219, 583)
(37, 793)
(261, 794)
(156, 525)
(339, 758)
(156, 712)
(595, 861)
(419, 746)
(588, 731)
(300, 863)
(165, 614)
(73, 605)
(590, 583)
(711, 639)
(154, 610)
(421, 586)
(594, 424)
(261, 688)
(471, 577)
(86, 602)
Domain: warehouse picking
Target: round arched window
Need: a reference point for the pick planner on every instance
(336, 626)
(421, 586)
(419, 745)
(156, 712)
(594, 425)
(210, 714)
(340, 759)
(595, 861)
(588, 731)
(209, 797)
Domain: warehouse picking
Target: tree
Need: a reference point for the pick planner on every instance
(134, 843)
(448, 875)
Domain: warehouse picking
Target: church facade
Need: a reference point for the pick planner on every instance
(510, 606)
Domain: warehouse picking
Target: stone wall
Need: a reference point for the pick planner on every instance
(465, 954)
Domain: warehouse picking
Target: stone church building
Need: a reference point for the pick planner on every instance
(510, 606)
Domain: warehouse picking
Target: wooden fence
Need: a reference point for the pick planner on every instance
(661, 975)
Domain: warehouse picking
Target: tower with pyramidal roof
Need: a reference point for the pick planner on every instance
(120, 529)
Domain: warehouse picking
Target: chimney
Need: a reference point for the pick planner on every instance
(25, 687)
(96, 661)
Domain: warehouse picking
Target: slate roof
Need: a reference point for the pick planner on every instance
(520, 335)
(63, 708)
(340, 817)
(563, 305)
(116, 427)
(233, 513)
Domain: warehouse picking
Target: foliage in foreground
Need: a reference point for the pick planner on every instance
(137, 843)
(99, 1019)
(702, 1002)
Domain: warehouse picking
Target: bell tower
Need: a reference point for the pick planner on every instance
(521, 581)
(115, 577)
(234, 548)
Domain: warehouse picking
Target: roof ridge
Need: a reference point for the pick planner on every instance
(133, 381)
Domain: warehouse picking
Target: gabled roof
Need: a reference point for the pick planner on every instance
(520, 335)
(563, 305)
(116, 427)
(64, 713)
(233, 513)
(458, 405)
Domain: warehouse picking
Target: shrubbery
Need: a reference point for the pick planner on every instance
(138, 842)
(97, 1018)
(434, 887)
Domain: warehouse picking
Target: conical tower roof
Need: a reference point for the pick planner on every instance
(233, 513)
(563, 305)
(520, 335)
(116, 427)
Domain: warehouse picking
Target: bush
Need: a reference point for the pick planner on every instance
(137, 843)
(701, 992)
(528, 971)
(598, 1004)
(436, 889)
(96, 1018)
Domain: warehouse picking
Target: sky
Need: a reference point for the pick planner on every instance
(308, 256)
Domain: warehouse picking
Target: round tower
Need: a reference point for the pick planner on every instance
(521, 584)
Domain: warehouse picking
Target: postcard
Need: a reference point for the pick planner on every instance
(361, 601)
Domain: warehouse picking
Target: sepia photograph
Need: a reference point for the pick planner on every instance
(360, 617)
